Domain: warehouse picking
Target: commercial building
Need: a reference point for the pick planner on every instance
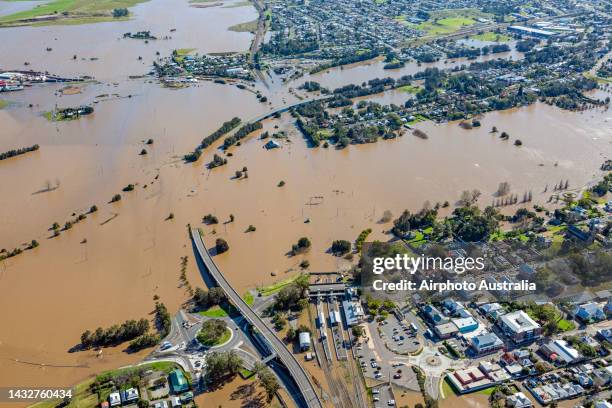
(466, 324)
(531, 32)
(468, 380)
(560, 351)
(519, 327)
(445, 330)
(304, 338)
(486, 343)
(353, 312)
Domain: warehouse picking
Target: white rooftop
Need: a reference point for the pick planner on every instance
(519, 322)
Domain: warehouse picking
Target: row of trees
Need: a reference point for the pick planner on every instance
(210, 139)
(17, 152)
(115, 334)
(241, 133)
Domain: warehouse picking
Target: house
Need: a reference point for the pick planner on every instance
(160, 404)
(519, 327)
(603, 404)
(526, 271)
(178, 382)
(175, 402)
(434, 315)
(590, 312)
(453, 306)
(492, 310)
(466, 324)
(304, 339)
(486, 343)
(518, 400)
(272, 144)
(129, 396)
(186, 397)
(605, 334)
(114, 399)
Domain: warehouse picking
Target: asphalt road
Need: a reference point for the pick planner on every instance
(296, 371)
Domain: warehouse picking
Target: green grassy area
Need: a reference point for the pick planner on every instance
(275, 287)
(447, 21)
(3, 103)
(413, 89)
(447, 389)
(325, 134)
(417, 118)
(486, 391)
(565, 325)
(248, 27)
(214, 312)
(244, 373)
(71, 12)
(181, 52)
(491, 36)
(224, 339)
(248, 298)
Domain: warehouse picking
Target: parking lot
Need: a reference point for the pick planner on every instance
(398, 336)
(383, 397)
(380, 364)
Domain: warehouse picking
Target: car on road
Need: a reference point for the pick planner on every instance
(165, 345)
(376, 399)
(391, 403)
(375, 391)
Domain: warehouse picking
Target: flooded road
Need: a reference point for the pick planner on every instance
(108, 267)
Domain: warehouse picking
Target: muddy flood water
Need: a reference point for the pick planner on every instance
(108, 267)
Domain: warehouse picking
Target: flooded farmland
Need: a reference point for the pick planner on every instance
(108, 267)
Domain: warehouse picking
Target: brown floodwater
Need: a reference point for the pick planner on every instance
(107, 268)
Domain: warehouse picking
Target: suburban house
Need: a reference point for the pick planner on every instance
(590, 312)
(178, 382)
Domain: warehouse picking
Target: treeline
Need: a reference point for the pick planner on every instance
(349, 59)
(17, 152)
(210, 139)
(221, 366)
(162, 319)
(241, 133)
(476, 52)
(205, 299)
(115, 334)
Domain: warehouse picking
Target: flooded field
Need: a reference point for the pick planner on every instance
(108, 267)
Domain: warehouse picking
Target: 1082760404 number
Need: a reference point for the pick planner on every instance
(33, 394)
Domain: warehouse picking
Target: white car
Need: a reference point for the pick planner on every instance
(376, 399)
(391, 403)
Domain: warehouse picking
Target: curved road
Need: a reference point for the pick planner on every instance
(297, 372)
